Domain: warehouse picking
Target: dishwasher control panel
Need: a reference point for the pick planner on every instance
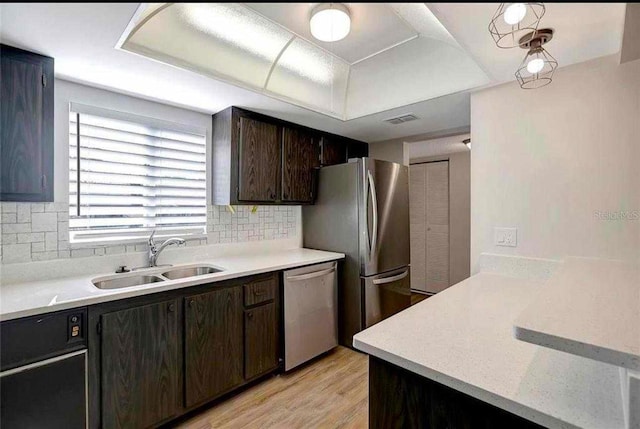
(34, 338)
(75, 331)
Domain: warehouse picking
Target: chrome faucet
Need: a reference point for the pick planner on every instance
(154, 251)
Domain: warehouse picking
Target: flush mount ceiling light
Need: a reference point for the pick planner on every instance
(263, 48)
(536, 70)
(513, 20)
(330, 22)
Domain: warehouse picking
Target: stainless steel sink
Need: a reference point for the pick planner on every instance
(180, 273)
(128, 281)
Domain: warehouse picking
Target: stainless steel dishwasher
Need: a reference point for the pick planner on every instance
(310, 312)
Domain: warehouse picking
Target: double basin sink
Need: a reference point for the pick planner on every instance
(173, 273)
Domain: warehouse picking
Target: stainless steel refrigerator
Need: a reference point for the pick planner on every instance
(362, 210)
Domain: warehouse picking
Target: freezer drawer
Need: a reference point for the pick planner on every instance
(385, 294)
(310, 313)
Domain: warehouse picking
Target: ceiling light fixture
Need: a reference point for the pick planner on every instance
(513, 20)
(330, 22)
(536, 70)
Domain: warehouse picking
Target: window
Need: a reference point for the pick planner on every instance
(130, 174)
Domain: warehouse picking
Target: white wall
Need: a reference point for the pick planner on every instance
(555, 161)
(37, 232)
(67, 92)
(439, 146)
(394, 151)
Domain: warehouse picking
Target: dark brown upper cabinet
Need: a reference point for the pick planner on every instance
(356, 149)
(257, 159)
(26, 126)
(332, 151)
(300, 159)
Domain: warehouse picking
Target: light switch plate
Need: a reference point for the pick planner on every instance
(506, 237)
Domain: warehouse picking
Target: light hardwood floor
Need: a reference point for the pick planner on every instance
(331, 392)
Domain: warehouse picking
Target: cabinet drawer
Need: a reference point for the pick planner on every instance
(259, 291)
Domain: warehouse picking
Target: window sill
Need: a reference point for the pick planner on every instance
(121, 241)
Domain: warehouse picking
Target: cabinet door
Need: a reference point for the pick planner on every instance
(333, 151)
(300, 153)
(259, 161)
(356, 149)
(26, 127)
(261, 340)
(213, 344)
(140, 366)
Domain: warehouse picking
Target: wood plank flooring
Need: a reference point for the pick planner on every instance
(330, 392)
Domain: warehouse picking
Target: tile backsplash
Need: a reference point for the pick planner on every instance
(40, 231)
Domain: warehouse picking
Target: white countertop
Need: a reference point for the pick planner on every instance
(463, 338)
(26, 299)
(591, 308)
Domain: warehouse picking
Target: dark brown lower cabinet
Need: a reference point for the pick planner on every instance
(140, 366)
(213, 344)
(402, 399)
(154, 358)
(261, 340)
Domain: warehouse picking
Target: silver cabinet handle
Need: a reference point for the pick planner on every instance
(374, 201)
(391, 279)
(311, 275)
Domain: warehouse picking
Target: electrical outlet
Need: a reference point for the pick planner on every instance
(506, 237)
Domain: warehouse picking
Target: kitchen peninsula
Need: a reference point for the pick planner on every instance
(454, 358)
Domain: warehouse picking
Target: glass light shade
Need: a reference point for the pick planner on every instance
(535, 65)
(330, 22)
(536, 70)
(514, 20)
(515, 13)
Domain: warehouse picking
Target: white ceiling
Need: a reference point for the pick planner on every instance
(390, 59)
(583, 31)
(373, 28)
(82, 36)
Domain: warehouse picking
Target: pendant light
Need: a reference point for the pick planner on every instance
(513, 20)
(537, 67)
(330, 22)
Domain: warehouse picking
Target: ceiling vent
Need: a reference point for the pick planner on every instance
(401, 119)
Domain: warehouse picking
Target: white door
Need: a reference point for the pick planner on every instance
(429, 211)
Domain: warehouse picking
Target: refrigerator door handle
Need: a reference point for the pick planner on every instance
(391, 279)
(374, 202)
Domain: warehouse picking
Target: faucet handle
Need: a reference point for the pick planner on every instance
(150, 240)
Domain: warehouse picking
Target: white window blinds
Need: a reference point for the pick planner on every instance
(130, 174)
